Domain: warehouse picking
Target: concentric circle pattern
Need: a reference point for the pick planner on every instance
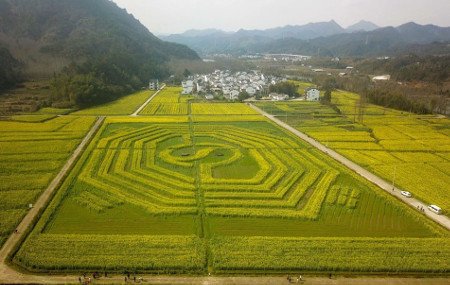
(226, 170)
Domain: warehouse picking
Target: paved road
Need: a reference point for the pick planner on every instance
(383, 184)
(43, 200)
(135, 114)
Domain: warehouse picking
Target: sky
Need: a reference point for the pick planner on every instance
(164, 17)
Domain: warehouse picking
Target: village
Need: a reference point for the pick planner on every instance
(229, 86)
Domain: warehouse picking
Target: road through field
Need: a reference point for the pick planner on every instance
(383, 184)
(142, 107)
(43, 200)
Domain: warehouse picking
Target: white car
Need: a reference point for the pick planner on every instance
(435, 209)
(406, 194)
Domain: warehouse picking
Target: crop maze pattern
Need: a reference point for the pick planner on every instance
(163, 168)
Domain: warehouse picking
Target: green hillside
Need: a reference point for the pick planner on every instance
(98, 51)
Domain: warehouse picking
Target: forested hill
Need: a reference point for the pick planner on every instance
(93, 37)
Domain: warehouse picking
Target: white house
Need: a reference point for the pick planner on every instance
(382, 78)
(250, 90)
(187, 91)
(278, 97)
(188, 87)
(234, 95)
(153, 84)
(199, 88)
(187, 83)
(312, 94)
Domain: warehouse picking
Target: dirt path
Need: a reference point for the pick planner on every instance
(43, 199)
(383, 184)
(167, 280)
(142, 107)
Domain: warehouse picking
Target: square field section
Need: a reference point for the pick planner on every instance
(193, 189)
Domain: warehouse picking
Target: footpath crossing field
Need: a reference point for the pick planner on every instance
(220, 189)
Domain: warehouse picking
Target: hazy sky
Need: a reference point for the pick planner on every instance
(175, 16)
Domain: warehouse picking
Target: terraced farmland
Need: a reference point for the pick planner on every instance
(410, 150)
(31, 154)
(176, 197)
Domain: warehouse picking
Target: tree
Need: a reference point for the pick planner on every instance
(327, 96)
(288, 88)
(361, 105)
(330, 84)
(10, 69)
(187, 73)
(243, 96)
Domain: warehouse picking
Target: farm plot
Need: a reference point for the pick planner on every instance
(168, 102)
(195, 189)
(222, 109)
(123, 106)
(413, 150)
(269, 254)
(31, 154)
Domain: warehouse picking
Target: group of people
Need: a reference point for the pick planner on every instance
(299, 279)
(135, 279)
(420, 208)
(87, 280)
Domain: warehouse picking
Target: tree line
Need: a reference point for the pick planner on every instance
(100, 80)
(10, 70)
(389, 94)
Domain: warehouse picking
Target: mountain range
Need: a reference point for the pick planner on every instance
(324, 38)
(362, 26)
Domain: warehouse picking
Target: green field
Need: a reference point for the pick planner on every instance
(124, 106)
(168, 102)
(223, 196)
(222, 109)
(31, 154)
(412, 151)
(302, 86)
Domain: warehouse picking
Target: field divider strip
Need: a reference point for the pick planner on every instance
(383, 184)
(44, 198)
(142, 107)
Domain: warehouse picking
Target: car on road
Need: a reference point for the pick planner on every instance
(406, 194)
(435, 209)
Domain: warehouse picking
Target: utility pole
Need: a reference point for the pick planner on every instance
(393, 180)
